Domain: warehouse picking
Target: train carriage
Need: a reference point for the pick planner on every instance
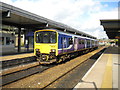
(54, 44)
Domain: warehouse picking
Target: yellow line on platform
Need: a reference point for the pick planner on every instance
(107, 79)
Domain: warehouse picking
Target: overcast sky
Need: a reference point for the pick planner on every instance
(83, 15)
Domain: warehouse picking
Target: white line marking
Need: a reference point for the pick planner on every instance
(88, 72)
(92, 67)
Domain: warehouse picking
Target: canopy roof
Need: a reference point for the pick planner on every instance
(20, 18)
(112, 28)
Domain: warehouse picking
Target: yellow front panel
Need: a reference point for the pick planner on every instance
(46, 48)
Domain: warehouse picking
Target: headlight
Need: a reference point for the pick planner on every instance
(53, 50)
(37, 49)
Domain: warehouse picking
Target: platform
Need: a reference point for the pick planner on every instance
(104, 72)
(17, 59)
(17, 56)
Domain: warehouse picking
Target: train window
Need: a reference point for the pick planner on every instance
(7, 40)
(53, 37)
(46, 37)
(1, 40)
(92, 42)
(38, 37)
(83, 42)
(79, 41)
(61, 40)
(70, 41)
(88, 41)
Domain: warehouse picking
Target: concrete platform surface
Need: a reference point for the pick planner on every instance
(18, 56)
(104, 72)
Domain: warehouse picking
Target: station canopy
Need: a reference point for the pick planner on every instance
(17, 17)
(112, 28)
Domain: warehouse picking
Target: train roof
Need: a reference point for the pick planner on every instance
(75, 33)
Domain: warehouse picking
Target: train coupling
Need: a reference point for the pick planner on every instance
(46, 62)
(46, 59)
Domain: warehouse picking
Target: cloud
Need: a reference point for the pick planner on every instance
(84, 15)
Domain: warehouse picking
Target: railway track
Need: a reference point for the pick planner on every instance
(22, 73)
(18, 61)
(19, 75)
(95, 57)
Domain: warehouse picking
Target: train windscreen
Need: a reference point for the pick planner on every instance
(46, 37)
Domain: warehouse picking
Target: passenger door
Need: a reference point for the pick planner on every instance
(75, 43)
(64, 44)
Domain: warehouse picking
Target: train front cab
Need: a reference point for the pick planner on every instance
(46, 44)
